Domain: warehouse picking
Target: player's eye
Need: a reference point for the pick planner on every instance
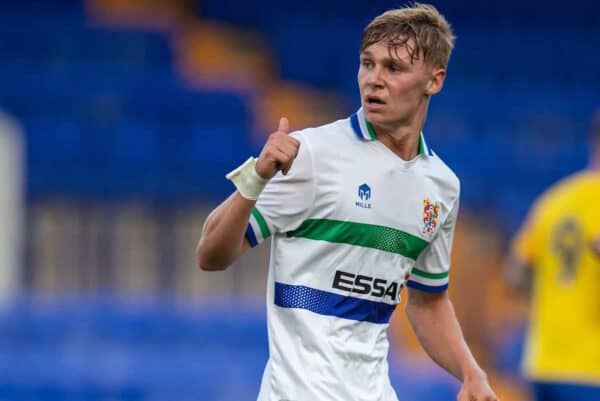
(367, 63)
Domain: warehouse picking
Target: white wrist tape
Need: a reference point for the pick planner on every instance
(246, 179)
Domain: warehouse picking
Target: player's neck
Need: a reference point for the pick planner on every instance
(403, 139)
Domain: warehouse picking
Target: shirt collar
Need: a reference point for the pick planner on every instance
(365, 132)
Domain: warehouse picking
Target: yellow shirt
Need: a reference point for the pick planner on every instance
(564, 336)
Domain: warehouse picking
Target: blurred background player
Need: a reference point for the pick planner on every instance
(556, 257)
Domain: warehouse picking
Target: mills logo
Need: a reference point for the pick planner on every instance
(364, 193)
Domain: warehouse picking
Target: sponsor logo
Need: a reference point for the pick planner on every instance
(431, 216)
(364, 194)
(360, 284)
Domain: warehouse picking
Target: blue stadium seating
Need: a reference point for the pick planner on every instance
(517, 101)
(94, 349)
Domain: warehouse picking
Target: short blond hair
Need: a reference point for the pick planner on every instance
(430, 31)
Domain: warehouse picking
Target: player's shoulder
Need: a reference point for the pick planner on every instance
(584, 181)
(565, 192)
(570, 186)
(443, 172)
(325, 135)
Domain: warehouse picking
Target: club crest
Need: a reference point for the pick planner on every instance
(431, 216)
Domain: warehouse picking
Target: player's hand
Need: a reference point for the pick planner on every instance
(279, 152)
(476, 389)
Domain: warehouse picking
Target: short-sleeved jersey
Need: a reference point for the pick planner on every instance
(564, 336)
(351, 224)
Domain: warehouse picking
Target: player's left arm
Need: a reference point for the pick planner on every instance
(518, 274)
(433, 320)
(518, 270)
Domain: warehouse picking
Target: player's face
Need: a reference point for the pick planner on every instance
(394, 89)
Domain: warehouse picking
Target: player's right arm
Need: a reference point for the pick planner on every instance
(518, 272)
(222, 240)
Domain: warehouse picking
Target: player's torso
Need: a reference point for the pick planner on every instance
(373, 215)
(337, 277)
(567, 281)
(568, 271)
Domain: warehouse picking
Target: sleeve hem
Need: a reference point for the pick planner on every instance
(426, 288)
(250, 236)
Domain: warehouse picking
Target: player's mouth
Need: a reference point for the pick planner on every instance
(374, 102)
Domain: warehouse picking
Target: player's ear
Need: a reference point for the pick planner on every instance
(436, 82)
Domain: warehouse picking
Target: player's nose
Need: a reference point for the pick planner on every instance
(374, 77)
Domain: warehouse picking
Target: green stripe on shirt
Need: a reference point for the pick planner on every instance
(435, 276)
(371, 130)
(262, 224)
(360, 234)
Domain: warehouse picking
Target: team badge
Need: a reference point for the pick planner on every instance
(431, 216)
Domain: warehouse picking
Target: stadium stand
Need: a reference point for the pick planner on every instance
(91, 85)
(150, 351)
(153, 102)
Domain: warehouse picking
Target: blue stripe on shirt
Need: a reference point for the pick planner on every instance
(356, 126)
(330, 304)
(426, 288)
(250, 236)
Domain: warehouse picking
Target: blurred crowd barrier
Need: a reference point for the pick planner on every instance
(133, 249)
(126, 254)
(12, 206)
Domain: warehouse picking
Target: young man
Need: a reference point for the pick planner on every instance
(558, 251)
(361, 208)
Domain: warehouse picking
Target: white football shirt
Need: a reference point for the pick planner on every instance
(351, 223)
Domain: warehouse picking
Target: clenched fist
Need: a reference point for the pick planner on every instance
(476, 388)
(279, 152)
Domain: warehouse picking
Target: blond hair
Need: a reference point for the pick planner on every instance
(429, 30)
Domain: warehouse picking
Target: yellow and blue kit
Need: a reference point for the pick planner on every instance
(563, 343)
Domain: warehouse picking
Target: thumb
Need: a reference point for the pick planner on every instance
(284, 125)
